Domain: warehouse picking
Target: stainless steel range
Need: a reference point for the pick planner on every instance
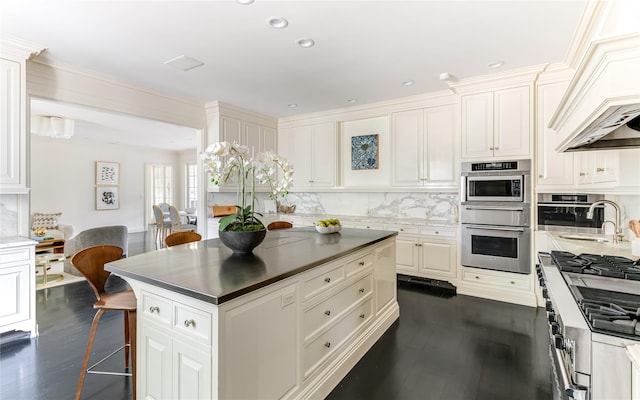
(593, 309)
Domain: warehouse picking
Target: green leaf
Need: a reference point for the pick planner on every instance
(225, 221)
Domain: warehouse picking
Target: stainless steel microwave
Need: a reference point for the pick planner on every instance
(505, 181)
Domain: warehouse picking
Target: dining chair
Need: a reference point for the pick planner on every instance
(181, 238)
(176, 223)
(279, 225)
(90, 262)
(162, 224)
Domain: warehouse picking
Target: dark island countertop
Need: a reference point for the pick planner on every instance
(208, 271)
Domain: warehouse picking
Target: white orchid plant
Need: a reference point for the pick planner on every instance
(225, 161)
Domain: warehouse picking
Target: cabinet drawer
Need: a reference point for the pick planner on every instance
(402, 229)
(156, 308)
(322, 282)
(504, 279)
(15, 255)
(327, 311)
(359, 264)
(328, 343)
(192, 322)
(445, 232)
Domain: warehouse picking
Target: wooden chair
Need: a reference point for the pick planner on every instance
(279, 225)
(181, 238)
(90, 262)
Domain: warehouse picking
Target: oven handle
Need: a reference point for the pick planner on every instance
(488, 228)
(571, 390)
(492, 208)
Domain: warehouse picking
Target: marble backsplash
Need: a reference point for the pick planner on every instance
(8, 215)
(431, 206)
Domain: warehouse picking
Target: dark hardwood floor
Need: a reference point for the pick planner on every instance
(441, 348)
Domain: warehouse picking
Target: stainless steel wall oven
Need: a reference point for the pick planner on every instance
(495, 216)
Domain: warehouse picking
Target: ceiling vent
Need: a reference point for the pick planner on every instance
(184, 63)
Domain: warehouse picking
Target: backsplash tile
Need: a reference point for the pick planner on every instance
(8, 215)
(431, 206)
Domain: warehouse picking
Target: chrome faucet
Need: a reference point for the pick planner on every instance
(617, 235)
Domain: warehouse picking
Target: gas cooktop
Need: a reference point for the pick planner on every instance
(593, 264)
(607, 290)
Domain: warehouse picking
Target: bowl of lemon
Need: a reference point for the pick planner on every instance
(331, 225)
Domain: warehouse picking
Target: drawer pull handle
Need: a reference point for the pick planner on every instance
(361, 263)
(437, 232)
(189, 322)
(327, 279)
(477, 277)
(362, 316)
(328, 312)
(154, 309)
(361, 290)
(327, 345)
(513, 283)
(600, 169)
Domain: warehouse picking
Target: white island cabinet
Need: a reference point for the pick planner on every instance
(288, 322)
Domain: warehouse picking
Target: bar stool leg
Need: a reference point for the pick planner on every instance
(87, 353)
(132, 315)
(127, 340)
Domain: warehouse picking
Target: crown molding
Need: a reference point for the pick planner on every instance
(588, 25)
(18, 48)
(483, 83)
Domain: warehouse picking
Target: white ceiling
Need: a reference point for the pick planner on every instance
(364, 49)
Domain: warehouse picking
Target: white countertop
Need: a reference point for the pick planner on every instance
(622, 249)
(14, 241)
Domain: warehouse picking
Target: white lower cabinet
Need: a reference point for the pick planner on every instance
(497, 285)
(17, 285)
(294, 339)
(431, 255)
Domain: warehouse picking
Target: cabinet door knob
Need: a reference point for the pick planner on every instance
(362, 316)
(477, 277)
(328, 312)
(327, 279)
(496, 148)
(582, 174)
(154, 309)
(189, 322)
(513, 283)
(540, 176)
(327, 345)
(361, 290)
(600, 169)
(361, 263)
(490, 148)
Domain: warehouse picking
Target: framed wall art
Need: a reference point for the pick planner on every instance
(107, 198)
(364, 152)
(107, 173)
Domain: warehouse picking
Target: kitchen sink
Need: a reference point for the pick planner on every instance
(581, 237)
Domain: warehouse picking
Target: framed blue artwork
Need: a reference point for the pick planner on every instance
(364, 152)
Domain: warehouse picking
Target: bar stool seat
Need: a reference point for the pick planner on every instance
(90, 262)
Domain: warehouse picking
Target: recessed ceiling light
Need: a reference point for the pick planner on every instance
(305, 42)
(292, 105)
(184, 63)
(496, 64)
(244, 2)
(408, 83)
(352, 100)
(277, 22)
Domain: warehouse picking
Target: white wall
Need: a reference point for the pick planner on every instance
(63, 180)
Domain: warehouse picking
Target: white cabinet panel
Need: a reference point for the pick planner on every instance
(424, 147)
(17, 285)
(477, 125)
(12, 133)
(191, 371)
(155, 347)
(438, 258)
(312, 152)
(554, 168)
(497, 124)
(406, 255)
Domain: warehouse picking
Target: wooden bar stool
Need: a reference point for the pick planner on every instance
(90, 262)
(181, 238)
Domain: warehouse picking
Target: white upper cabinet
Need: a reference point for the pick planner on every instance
(12, 135)
(311, 149)
(497, 124)
(553, 168)
(424, 144)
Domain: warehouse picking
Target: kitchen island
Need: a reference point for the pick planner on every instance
(289, 321)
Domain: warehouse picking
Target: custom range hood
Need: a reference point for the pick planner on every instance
(617, 128)
(601, 107)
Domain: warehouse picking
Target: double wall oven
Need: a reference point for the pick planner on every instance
(495, 215)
